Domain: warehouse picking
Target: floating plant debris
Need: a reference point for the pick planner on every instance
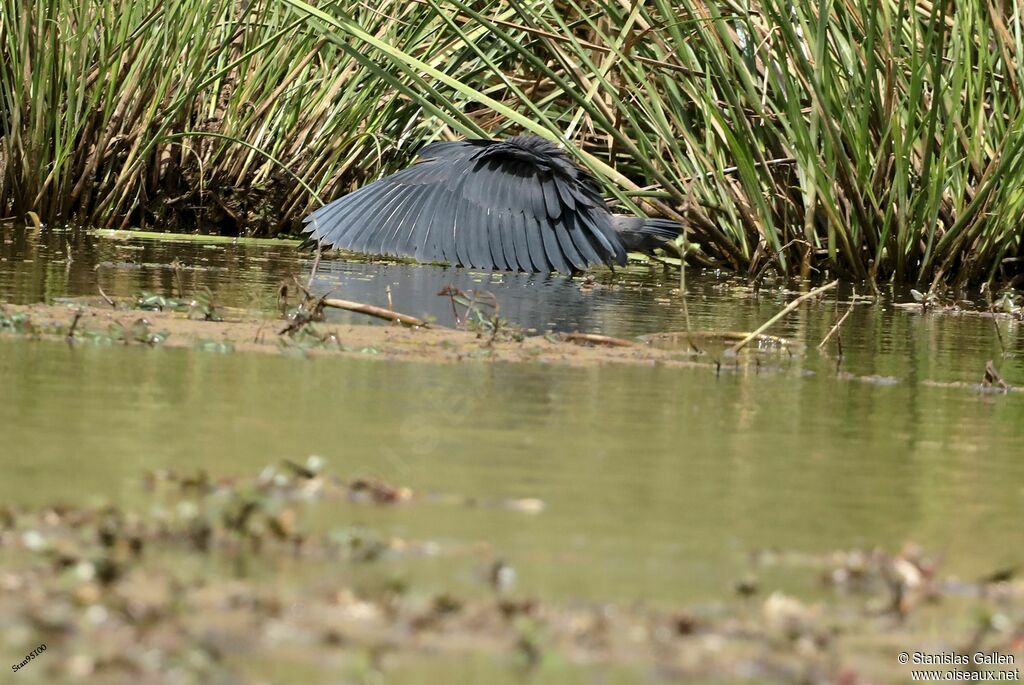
(187, 585)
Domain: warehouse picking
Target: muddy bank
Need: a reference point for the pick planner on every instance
(153, 320)
(240, 331)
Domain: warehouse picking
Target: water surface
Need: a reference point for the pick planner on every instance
(658, 483)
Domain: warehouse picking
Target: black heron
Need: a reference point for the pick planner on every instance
(519, 204)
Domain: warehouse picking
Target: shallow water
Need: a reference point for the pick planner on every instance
(247, 274)
(658, 483)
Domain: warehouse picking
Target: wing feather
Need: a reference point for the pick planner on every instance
(514, 204)
(600, 227)
(569, 251)
(403, 239)
(582, 239)
(552, 249)
(495, 228)
(367, 236)
(461, 221)
(537, 206)
(383, 238)
(331, 222)
(535, 239)
(350, 224)
(484, 248)
(517, 229)
(427, 245)
(448, 213)
(505, 232)
(554, 205)
(565, 193)
(464, 225)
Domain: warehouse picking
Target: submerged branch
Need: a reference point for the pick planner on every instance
(106, 298)
(835, 328)
(595, 339)
(378, 312)
(789, 307)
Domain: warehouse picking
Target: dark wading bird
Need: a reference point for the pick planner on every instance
(517, 204)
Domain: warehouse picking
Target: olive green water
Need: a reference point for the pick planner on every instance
(658, 483)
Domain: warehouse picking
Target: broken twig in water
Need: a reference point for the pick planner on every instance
(789, 307)
(359, 307)
(316, 265)
(106, 298)
(79, 313)
(378, 312)
(595, 339)
(993, 379)
(835, 328)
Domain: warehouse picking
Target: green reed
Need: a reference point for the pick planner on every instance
(880, 141)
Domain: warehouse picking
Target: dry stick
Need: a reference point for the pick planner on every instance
(995, 320)
(176, 265)
(316, 265)
(682, 291)
(835, 328)
(79, 313)
(775, 253)
(105, 297)
(789, 307)
(992, 377)
(455, 312)
(305, 291)
(596, 339)
(999, 334)
(371, 310)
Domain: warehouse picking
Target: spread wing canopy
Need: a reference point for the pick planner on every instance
(518, 204)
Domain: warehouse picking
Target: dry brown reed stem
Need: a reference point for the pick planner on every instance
(788, 308)
(372, 310)
(595, 339)
(835, 328)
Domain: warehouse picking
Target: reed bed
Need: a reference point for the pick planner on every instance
(873, 141)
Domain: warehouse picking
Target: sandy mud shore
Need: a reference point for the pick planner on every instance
(245, 331)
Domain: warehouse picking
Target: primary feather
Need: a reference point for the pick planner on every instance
(515, 204)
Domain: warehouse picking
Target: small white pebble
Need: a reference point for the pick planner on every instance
(81, 666)
(97, 614)
(1001, 623)
(187, 510)
(85, 570)
(33, 540)
(267, 474)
